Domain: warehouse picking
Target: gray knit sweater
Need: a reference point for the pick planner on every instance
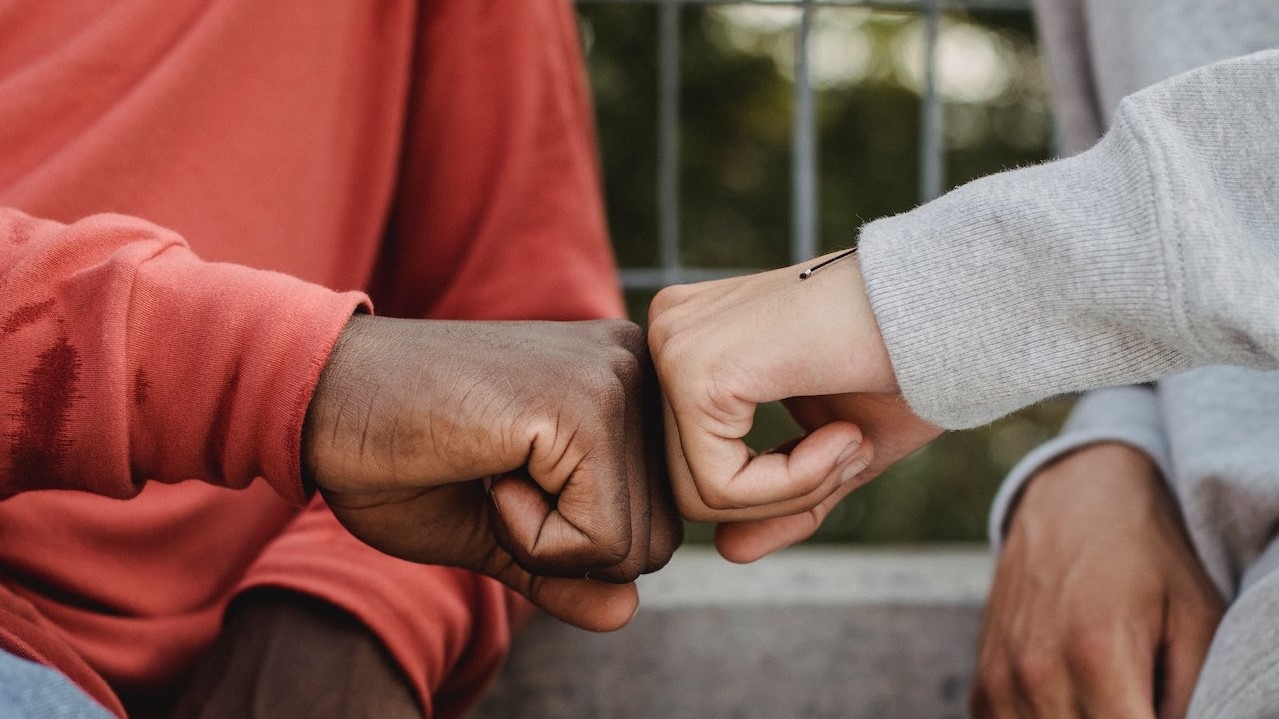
(1153, 251)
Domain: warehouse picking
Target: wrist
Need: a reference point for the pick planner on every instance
(1086, 482)
(332, 403)
(843, 307)
(876, 366)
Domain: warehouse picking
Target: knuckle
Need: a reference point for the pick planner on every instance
(679, 347)
(663, 550)
(659, 333)
(625, 366)
(694, 509)
(617, 330)
(600, 384)
(717, 502)
(677, 357)
(1090, 650)
(665, 299)
(629, 335)
(1035, 666)
(714, 497)
(610, 396)
(993, 680)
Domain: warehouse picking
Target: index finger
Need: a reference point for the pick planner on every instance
(1115, 676)
(707, 442)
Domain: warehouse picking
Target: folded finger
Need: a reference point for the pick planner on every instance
(574, 535)
(750, 540)
(1113, 672)
(585, 603)
(726, 476)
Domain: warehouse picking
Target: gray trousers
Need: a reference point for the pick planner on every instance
(1240, 679)
(32, 691)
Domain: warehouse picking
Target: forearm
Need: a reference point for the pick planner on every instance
(127, 358)
(1149, 254)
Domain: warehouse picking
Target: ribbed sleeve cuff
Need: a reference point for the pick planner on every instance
(1024, 285)
(1128, 415)
(223, 361)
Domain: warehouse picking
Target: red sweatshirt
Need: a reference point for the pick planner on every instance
(217, 184)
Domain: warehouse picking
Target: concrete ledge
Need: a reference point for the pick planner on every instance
(805, 633)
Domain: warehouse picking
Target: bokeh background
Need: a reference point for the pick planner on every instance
(867, 67)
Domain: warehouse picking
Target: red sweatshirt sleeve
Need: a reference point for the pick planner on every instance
(124, 357)
(498, 216)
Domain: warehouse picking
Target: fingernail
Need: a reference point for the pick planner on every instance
(848, 453)
(853, 470)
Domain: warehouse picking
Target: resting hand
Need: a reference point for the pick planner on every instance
(409, 415)
(1099, 606)
(722, 348)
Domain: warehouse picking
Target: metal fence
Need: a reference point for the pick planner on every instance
(803, 240)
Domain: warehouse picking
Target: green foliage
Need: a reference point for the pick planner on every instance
(735, 192)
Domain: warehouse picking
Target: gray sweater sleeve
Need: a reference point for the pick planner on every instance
(1155, 251)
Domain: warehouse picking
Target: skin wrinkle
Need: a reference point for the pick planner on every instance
(598, 542)
(341, 413)
(415, 390)
(429, 399)
(26, 315)
(39, 446)
(394, 438)
(554, 469)
(344, 371)
(364, 431)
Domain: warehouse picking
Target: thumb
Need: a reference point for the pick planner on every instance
(745, 542)
(585, 603)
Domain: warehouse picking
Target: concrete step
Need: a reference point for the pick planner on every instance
(811, 632)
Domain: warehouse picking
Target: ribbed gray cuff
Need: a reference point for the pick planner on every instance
(1024, 285)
